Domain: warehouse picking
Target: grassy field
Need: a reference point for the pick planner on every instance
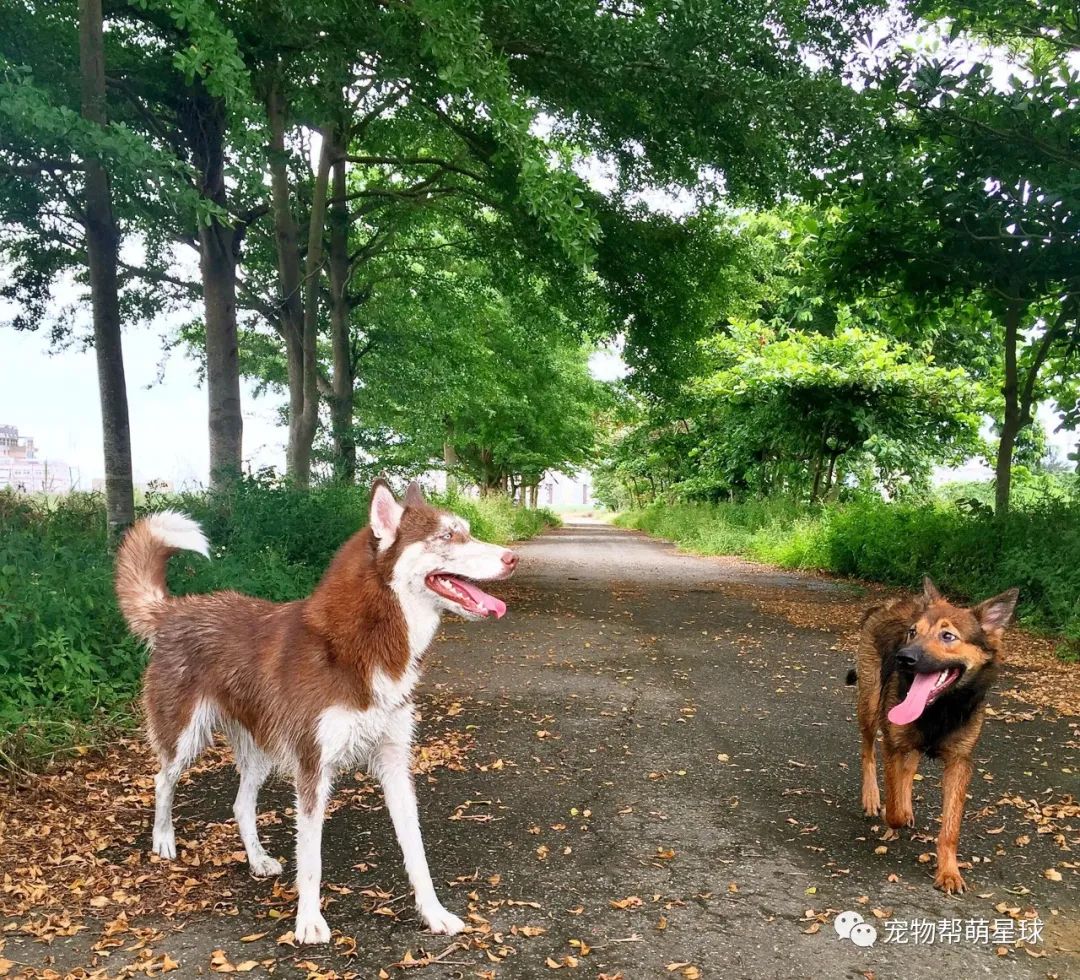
(969, 554)
(70, 668)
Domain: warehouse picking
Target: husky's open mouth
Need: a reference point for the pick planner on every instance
(466, 594)
(925, 688)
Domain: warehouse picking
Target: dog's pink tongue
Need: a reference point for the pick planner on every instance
(490, 605)
(915, 703)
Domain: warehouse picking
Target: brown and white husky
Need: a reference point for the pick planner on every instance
(306, 687)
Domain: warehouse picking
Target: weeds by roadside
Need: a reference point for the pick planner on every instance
(970, 554)
(71, 669)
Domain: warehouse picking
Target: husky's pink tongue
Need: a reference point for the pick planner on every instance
(488, 603)
(915, 703)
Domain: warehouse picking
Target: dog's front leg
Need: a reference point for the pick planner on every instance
(900, 767)
(871, 795)
(954, 784)
(391, 763)
(312, 793)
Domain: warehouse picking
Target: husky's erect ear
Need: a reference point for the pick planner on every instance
(385, 513)
(929, 590)
(994, 614)
(414, 496)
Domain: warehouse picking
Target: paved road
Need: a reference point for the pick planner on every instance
(635, 735)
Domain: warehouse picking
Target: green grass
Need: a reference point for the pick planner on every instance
(969, 555)
(496, 519)
(69, 666)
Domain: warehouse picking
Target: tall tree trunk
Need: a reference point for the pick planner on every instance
(286, 239)
(819, 464)
(309, 422)
(488, 480)
(341, 399)
(816, 486)
(299, 288)
(1020, 393)
(219, 247)
(829, 475)
(102, 246)
(450, 462)
(836, 478)
(217, 263)
(1013, 418)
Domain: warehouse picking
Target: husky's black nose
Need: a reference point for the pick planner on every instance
(908, 656)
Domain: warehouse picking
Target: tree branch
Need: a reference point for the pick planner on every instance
(1051, 336)
(447, 165)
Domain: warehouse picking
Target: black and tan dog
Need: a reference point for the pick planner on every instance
(924, 667)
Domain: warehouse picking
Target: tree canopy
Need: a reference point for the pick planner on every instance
(413, 221)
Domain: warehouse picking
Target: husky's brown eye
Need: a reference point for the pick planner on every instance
(948, 637)
(911, 633)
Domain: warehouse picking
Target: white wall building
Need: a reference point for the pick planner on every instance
(566, 490)
(556, 489)
(21, 469)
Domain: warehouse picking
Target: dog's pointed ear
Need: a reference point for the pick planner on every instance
(994, 614)
(930, 591)
(414, 496)
(385, 513)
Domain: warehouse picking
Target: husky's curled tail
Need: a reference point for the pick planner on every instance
(141, 561)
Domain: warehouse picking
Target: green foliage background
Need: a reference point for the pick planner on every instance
(960, 544)
(67, 659)
(882, 258)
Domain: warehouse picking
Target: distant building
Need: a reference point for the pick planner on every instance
(22, 470)
(555, 489)
(566, 490)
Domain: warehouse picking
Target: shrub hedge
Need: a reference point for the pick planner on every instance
(969, 553)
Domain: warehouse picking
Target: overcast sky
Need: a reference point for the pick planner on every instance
(54, 399)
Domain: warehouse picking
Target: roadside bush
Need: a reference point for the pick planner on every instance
(64, 653)
(66, 657)
(969, 554)
(496, 519)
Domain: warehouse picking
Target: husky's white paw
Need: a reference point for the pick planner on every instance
(265, 866)
(311, 929)
(165, 845)
(442, 922)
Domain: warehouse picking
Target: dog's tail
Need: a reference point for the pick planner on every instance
(141, 561)
(852, 676)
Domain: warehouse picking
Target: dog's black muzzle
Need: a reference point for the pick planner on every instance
(915, 660)
(909, 656)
